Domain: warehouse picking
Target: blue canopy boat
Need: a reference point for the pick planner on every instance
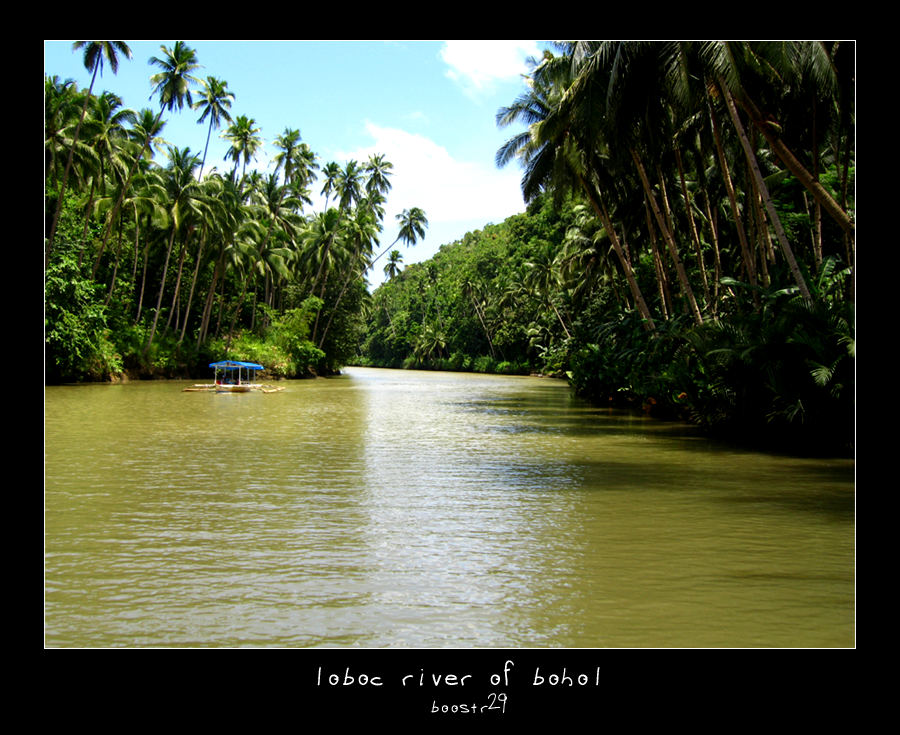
(235, 377)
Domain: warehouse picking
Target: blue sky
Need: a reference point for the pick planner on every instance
(428, 106)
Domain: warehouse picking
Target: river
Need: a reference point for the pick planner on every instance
(412, 509)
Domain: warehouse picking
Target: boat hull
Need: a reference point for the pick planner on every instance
(234, 388)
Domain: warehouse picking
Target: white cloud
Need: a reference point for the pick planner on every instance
(477, 66)
(427, 176)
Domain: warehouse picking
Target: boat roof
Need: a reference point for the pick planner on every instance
(233, 365)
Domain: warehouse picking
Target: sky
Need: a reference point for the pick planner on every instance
(428, 106)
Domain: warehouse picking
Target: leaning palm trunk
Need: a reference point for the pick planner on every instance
(617, 246)
(210, 298)
(162, 288)
(793, 165)
(665, 299)
(732, 200)
(237, 310)
(695, 236)
(190, 298)
(112, 280)
(764, 192)
(176, 298)
(670, 241)
(484, 327)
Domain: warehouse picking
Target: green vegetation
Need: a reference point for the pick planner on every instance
(157, 263)
(688, 248)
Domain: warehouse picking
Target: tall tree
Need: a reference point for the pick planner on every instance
(185, 199)
(173, 87)
(245, 141)
(215, 102)
(559, 150)
(379, 172)
(394, 264)
(287, 158)
(95, 52)
(331, 172)
(413, 224)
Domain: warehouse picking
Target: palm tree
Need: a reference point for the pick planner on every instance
(394, 264)
(316, 239)
(288, 143)
(361, 230)
(413, 223)
(560, 150)
(764, 192)
(349, 190)
(245, 141)
(185, 198)
(62, 105)
(94, 54)
(472, 289)
(215, 103)
(173, 85)
(545, 279)
(278, 212)
(633, 119)
(108, 139)
(735, 64)
(378, 171)
(224, 222)
(331, 173)
(431, 340)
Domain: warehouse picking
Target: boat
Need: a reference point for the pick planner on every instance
(232, 376)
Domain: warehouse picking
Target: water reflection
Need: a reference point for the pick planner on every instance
(394, 508)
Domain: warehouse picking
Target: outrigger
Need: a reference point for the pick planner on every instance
(234, 377)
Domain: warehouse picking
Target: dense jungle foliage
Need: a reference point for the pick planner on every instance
(157, 263)
(688, 248)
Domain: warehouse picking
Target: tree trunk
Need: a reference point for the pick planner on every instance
(187, 308)
(673, 251)
(764, 191)
(695, 236)
(162, 288)
(617, 246)
(793, 165)
(732, 200)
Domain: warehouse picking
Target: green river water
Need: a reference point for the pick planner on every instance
(420, 510)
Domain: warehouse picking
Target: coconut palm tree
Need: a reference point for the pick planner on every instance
(331, 173)
(561, 150)
(185, 199)
(108, 139)
(321, 230)
(349, 189)
(293, 157)
(378, 171)
(94, 54)
(173, 87)
(394, 264)
(62, 105)
(545, 279)
(245, 141)
(215, 103)
(742, 66)
(413, 224)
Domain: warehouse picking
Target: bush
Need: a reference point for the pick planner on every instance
(77, 339)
